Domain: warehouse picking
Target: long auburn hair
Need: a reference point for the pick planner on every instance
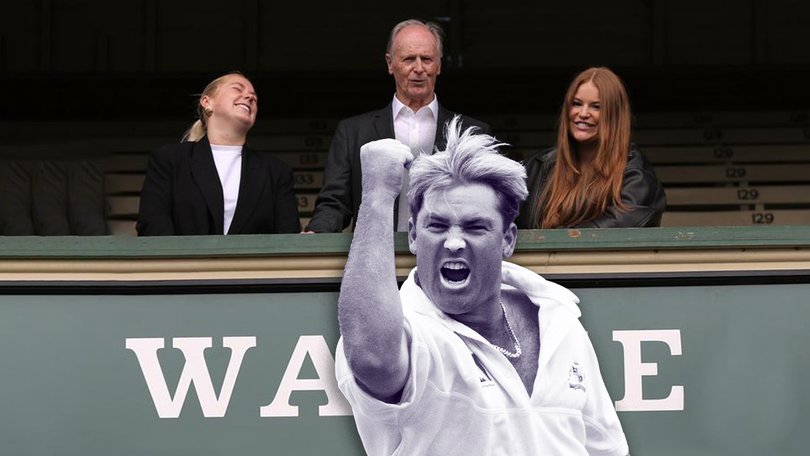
(574, 196)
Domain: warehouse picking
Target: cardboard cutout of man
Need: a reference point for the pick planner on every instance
(473, 355)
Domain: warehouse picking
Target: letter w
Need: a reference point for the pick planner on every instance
(194, 371)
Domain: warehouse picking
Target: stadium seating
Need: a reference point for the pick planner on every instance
(723, 168)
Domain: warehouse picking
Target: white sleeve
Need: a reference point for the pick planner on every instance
(369, 407)
(603, 430)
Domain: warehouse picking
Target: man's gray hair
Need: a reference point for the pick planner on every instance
(469, 158)
(432, 27)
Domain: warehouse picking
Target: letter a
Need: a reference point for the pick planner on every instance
(194, 371)
(315, 346)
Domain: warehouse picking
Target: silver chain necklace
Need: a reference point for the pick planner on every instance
(516, 354)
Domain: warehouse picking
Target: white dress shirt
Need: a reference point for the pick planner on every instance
(416, 130)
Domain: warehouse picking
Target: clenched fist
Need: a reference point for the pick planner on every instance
(383, 163)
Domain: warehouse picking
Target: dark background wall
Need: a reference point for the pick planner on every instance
(141, 59)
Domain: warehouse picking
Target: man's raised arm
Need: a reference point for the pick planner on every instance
(369, 309)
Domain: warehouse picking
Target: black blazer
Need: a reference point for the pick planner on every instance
(339, 200)
(641, 193)
(182, 194)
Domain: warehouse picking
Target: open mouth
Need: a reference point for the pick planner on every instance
(245, 107)
(455, 273)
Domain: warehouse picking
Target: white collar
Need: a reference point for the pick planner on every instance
(544, 294)
(397, 106)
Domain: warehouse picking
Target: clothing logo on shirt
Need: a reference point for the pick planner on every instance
(576, 377)
(483, 377)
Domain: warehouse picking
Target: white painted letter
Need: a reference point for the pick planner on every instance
(194, 371)
(634, 370)
(315, 346)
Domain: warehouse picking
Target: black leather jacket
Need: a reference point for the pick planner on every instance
(641, 193)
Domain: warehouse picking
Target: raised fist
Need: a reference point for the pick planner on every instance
(383, 163)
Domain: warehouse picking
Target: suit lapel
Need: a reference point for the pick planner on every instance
(441, 123)
(384, 123)
(251, 187)
(205, 176)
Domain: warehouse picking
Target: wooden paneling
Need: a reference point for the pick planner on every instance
(710, 33)
(737, 218)
(209, 36)
(787, 31)
(744, 195)
(549, 34)
(19, 28)
(662, 155)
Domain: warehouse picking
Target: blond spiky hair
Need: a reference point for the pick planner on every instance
(469, 157)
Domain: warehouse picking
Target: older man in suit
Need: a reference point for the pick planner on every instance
(413, 117)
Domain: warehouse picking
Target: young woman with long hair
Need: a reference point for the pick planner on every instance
(594, 177)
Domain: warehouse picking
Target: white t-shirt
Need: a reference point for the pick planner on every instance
(229, 167)
(462, 397)
(416, 130)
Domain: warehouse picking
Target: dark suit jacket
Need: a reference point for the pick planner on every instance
(339, 200)
(182, 194)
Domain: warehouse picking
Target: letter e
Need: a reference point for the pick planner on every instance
(634, 370)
